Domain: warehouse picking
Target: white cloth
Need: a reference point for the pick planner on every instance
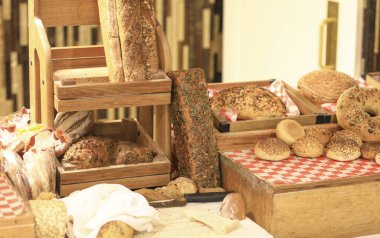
(93, 207)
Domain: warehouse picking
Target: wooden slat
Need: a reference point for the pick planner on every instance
(162, 134)
(221, 86)
(68, 12)
(112, 102)
(108, 89)
(80, 76)
(85, 62)
(131, 183)
(77, 51)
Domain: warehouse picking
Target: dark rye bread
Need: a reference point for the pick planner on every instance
(137, 31)
(195, 144)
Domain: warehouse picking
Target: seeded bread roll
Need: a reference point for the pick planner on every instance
(325, 86)
(347, 134)
(272, 149)
(342, 149)
(251, 102)
(308, 147)
(233, 207)
(369, 150)
(289, 131)
(323, 135)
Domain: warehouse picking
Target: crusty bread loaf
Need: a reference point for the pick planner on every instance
(251, 102)
(115, 229)
(194, 140)
(325, 86)
(233, 207)
(75, 124)
(111, 42)
(137, 31)
(131, 153)
(151, 195)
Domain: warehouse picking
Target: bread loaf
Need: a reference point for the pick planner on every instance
(233, 207)
(137, 31)
(194, 140)
(131, 153)
(111, 42)
(75, 124)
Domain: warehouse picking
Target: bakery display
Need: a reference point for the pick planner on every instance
(233, 207)
(325, 86)
(272, 149)
(289, 131)
(194, 140)
(369, 150)
(251, 102)
(358, 110)
(308, 147)
(323, 135)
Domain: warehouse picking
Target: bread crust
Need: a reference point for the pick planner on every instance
(289, 131)
(353, 109)
(251, 102)
(308, 147)
(343, 149)
(233, 207)
(369, 150)
(272, 149)
(325, 86)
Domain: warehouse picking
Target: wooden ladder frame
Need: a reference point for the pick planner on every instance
(44, 60)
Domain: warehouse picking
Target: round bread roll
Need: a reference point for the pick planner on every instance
(251, 102)
(377, 159)
(233, 207)
(369, 150)
(289, 131)
(325, 86)
(342, 149)
(322, 134)
(347, 134)
(272, 149)
(308, 147)
(115, 229)
(358, 109)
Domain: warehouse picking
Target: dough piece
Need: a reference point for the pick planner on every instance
(289, 131)
(115, 229)
(308, 147)
(272, 149)
(111, 42)
(90, 152)
(131, 153)
(137, 30)
(196, 151)
(50, 218)
(342, 149)
(369, 150)
(358, 110)
(325, 86)
(322, 134)
(233, 207)
(220, 224)
(151, 195)
(347, 134)
(75, 124)
(251, 102)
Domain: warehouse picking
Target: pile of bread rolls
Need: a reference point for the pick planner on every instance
(344, 145)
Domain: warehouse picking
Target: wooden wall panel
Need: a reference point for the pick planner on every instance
(193, 28)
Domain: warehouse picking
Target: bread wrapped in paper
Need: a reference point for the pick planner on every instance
(40, 166)
(75, 124)
(12, 164)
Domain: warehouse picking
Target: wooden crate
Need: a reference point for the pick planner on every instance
(76, 78)
(339, 207)
(373, 79)
(156, 173)
(310, 114)
(20, 226)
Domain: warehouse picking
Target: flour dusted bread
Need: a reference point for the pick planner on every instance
(137, 31)
(111, 42)
(325, 86)
(251, 102)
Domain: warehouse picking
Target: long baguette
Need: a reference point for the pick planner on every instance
(111, 42)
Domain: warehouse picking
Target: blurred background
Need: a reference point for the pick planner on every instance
(232, 40)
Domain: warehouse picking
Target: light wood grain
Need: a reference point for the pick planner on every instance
(162, 133)
(77, 51)
(131, 183)
(112, 102)
(68, 12)
(146, 118)
(83, 62)
(81, 76)
(373, 79)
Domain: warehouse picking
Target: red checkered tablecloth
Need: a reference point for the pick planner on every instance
(11, 204)
(297, 170)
